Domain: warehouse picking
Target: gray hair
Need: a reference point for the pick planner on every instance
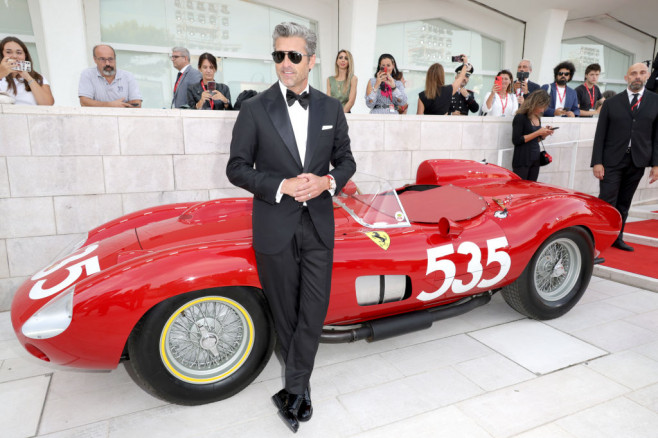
(183, 50)
(528, 61)
(290, 29)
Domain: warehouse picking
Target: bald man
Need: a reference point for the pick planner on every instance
(626, 141)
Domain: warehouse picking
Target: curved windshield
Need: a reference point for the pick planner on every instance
(372, 202)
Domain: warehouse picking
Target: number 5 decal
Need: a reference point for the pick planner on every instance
(75, 271)
(436, 263)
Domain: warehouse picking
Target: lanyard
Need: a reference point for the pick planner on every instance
(212, 103)
(501, 102)
(557, 90)
(591, 96)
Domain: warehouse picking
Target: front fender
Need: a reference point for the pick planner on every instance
(107, 307)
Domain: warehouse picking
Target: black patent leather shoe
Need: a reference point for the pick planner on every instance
(306, 408)
(280, 399)
(288, 406)
(620, 244)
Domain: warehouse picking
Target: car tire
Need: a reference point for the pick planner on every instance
(556, 277)
(202, 346)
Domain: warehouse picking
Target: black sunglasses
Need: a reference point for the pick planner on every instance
(563, 73)
(295, 57)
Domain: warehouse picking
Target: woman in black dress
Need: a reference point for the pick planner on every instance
(436, 97)
(526, 133)
(208, 94)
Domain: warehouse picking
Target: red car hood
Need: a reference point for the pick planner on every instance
(218, 220)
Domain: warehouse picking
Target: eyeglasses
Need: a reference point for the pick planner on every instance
(176, 56)
(295, 57)
(106, 59)
(563, 73)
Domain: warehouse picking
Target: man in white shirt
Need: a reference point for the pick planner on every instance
(180, 58)
(284, 141)
(105, 85)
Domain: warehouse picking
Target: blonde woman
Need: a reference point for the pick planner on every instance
(342, 86)
(526, 134)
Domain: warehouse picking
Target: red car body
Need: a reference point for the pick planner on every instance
(466, 229)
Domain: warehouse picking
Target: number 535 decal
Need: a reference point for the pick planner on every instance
(437, 260)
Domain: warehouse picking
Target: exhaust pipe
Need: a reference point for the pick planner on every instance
(396, 325)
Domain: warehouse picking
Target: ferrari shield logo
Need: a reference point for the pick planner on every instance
(380, 238)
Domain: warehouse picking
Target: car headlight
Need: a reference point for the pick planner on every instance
(52, 319)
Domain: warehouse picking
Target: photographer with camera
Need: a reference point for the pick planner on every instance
(523, 86)
(463, 100)
(18, 82)
(385, 92)
(437, 97)
(501, 101)
(208, 94)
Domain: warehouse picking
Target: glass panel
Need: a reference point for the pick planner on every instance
(152, 71)
(585, 51)
(425, 42)
(15, 18)
(220, 27)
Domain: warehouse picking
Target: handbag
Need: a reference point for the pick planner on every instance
(544, 157)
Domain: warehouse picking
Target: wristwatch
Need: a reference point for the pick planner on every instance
(332, 182)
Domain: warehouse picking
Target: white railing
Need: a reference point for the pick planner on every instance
(574, 154)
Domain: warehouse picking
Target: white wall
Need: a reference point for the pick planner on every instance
(64, 171)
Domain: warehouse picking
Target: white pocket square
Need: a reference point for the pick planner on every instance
(325, 127)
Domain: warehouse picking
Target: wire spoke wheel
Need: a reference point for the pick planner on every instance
(206, 339)
(557, 269)
(555, 278)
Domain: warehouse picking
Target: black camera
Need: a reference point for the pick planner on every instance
(522, 75)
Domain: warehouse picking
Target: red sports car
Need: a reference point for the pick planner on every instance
(174, 289)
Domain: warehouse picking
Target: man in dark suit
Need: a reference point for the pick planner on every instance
(187, 75)
(284, 141)
(564, 100)
(526, 86)
(626, 141)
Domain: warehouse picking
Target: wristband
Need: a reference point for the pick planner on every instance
(30, 81)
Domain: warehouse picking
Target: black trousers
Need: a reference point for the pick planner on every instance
(619, 184)
(530, 173)
(297, 283)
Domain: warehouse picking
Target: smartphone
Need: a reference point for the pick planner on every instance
(553, 128)
(134, 104)
(499, 81)
(457, 58)
(212, 86)
(23, 66)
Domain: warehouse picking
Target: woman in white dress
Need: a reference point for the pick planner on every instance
(26, 88)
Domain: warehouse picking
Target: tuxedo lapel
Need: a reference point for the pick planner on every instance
(316, 109)
(275, 107)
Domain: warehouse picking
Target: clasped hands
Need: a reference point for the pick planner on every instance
(304, 186)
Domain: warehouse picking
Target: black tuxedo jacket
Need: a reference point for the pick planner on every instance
(264, 153)
(617, 126)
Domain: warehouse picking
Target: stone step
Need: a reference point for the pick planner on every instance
(628, 278)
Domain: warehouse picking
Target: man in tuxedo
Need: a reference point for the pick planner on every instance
(187, 75)
(626, 141)
(284, 141)
(564, 100)
(526, 86)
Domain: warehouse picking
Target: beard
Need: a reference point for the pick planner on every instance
(108, 71)
(636, 85)
(562, 82)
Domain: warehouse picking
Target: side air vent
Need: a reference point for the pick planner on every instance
(379, 289)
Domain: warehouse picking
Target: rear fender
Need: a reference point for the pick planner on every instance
(460, 172)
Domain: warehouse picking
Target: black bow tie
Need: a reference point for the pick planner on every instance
(303, 98)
